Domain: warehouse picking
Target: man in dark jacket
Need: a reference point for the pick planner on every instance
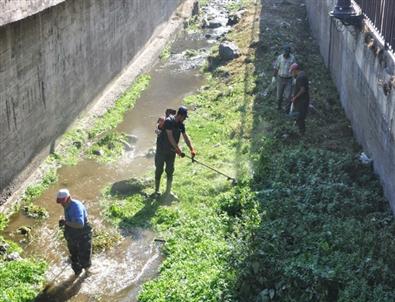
(77, 231)
(300, 98)
(167, 147)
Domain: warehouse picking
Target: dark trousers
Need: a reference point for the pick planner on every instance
(79, 243)
(284, 89)
(160, 160)
(302, 108)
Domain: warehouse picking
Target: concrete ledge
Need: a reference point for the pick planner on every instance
(15, 10)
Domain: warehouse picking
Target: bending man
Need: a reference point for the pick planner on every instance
(167, 147)
(77, 231)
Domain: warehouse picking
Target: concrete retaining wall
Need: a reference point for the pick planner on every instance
(359, 72)
(55, 62)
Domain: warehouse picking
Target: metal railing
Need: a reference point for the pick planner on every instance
(382, 14)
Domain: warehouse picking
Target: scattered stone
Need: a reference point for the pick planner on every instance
(205, 22)
(4, 247)
(127, 146)
(248, 60)
(111, 145)
(150, 153)
(228, 51)
(99, 152)
(218, 33)
(13, 256)
(234, 19)
(77, 144)
(215, 23)
(131, 138)
(364, 159)
(254, 44)
(24, 230)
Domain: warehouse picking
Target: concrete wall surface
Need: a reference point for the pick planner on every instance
(55, 62)
(14, 10)
(360, 72)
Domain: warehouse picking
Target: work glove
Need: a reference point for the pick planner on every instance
(62, 223)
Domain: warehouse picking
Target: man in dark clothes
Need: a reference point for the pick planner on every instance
(300, 98)
(77, 231)
(167, 147)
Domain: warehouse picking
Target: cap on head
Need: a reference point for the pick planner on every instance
(62, 194)
(293, 67)
(183, 111)
(287, 48)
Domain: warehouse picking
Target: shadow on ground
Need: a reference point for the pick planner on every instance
(63, 291)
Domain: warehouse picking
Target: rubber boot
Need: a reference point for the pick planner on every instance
(168, 185)
(157, 186)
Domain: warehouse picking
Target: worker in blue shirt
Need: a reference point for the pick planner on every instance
(77, 231)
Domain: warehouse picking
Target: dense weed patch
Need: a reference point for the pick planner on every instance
(310, 224)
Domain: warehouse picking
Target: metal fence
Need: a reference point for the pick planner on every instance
(382, 15)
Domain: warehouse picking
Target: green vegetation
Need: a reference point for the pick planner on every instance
(108, 148)
(236, 6)
(74, 144)
(166, 52)
(34, 211)
(3, 221)
(34, 191)
(20, 280)
(309, 223)
(104, 238)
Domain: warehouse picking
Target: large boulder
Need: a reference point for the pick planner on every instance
(228, 51)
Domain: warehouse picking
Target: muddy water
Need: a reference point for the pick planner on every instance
(117, 274)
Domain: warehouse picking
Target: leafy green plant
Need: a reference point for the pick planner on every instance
(34, 191)
(34, 211)
(21, 280)
(3, 221)
(166, 52)
(108, 148)
(104, 239)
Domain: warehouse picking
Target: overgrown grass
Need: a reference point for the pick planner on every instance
(326, 230)
(21, 280)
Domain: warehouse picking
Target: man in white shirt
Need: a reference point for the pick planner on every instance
(284, 77)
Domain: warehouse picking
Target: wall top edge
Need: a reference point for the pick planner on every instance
(15, 10)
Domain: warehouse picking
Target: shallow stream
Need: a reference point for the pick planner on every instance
(117, 275)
